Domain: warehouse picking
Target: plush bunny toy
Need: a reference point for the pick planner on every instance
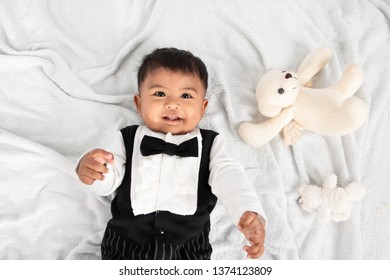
(330, 202)
(292, 107)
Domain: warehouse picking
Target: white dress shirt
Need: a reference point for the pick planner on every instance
(169, 183)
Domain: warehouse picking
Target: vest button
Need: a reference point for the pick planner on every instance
(161, 232)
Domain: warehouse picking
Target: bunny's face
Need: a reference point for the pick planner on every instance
(276, 90)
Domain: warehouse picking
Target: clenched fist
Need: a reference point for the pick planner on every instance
(93, 165)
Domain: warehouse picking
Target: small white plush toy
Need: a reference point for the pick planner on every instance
(292, 107)
(330, 202)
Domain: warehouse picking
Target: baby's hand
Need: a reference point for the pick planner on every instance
(93, 165)
(253, 228)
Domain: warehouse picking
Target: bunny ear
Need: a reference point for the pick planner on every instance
(313, 63)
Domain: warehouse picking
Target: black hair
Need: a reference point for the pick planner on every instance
(175, 60)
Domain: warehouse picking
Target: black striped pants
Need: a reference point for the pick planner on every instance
(117, 247)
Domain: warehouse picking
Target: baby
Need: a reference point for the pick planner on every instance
(168, 173)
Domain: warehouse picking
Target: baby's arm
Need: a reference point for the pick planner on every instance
(230, 184)
(253, 227)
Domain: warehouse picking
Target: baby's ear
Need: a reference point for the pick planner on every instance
(137, 102)
(204, 105)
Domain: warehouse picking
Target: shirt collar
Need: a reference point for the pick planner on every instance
(174, 139)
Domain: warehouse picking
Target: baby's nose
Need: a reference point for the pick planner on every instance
(172, 104)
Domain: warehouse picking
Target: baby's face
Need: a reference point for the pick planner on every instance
(171, 101)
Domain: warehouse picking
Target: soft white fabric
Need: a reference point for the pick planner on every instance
(68, 76)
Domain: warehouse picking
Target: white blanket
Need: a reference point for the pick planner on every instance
(67, 80)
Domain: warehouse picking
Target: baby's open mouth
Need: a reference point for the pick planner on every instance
(172, 118)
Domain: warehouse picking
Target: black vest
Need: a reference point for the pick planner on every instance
(162, 225)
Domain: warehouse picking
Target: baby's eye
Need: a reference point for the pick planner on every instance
(159, 94)
(186, 96)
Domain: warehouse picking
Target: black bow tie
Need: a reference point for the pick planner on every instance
(152, 146)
